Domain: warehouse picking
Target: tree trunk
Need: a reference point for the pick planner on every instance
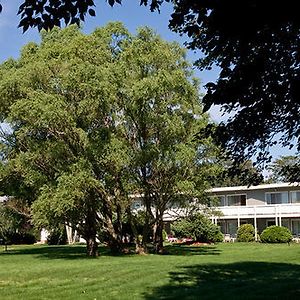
(146, 233)
(140, 248)
(90, 233)
(114, 243)
(113, 235)
(147, 228)
(114, 239)
(158, 241)
(92, 247)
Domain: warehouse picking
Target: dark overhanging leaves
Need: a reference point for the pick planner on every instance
(45, 14)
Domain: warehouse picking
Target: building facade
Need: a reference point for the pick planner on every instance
(261, 205)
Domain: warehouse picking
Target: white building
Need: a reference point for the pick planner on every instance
(261, 205)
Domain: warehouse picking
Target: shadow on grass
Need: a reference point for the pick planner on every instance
(54, 252)
(191, 250)
(243, 280)
(79, 251)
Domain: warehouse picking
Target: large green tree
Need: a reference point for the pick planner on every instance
(57, 100)
(161, 115)
(96, 118)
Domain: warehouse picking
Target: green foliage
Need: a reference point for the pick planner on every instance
(246, 233)
(57, 236)
(276, 234)
(285, 169)
(17, 238)
(9, 222)
(236, 36)
(163, 114)
(164, 235)
(14, 227)
(197, 227)
(230, 173)
(229, 33)
(96, 118)
(8, 225)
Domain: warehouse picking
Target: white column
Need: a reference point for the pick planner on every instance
(279, 210)
(255, 224)
(44, 235)
(276, 221)
(69, 233)
(279, 220)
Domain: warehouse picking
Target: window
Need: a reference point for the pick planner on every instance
(232, 227)
(285, 223)
(221, 200)
(236, 200)
(277, 198)
(295, 197)
(296, 227)
(271, 223)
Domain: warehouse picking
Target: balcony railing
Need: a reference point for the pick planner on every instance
(260, 211)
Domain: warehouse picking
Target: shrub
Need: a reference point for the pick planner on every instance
(246, 233)
(57, 236)
(276, 234)
(199, 228)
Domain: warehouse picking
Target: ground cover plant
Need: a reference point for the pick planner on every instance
(235, 271)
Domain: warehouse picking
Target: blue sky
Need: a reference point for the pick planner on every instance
(130, 13)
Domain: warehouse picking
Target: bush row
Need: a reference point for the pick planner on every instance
(272, 234)
(200, 228)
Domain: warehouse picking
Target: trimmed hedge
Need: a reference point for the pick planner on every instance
(246, 233)
(276, 234)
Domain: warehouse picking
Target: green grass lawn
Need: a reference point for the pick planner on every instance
(224, 271)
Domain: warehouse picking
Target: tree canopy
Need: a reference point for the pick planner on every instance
(45, 14)
(285, 169)
(94, 119)
(255, 44)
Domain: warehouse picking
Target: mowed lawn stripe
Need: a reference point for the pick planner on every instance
(235, 271)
